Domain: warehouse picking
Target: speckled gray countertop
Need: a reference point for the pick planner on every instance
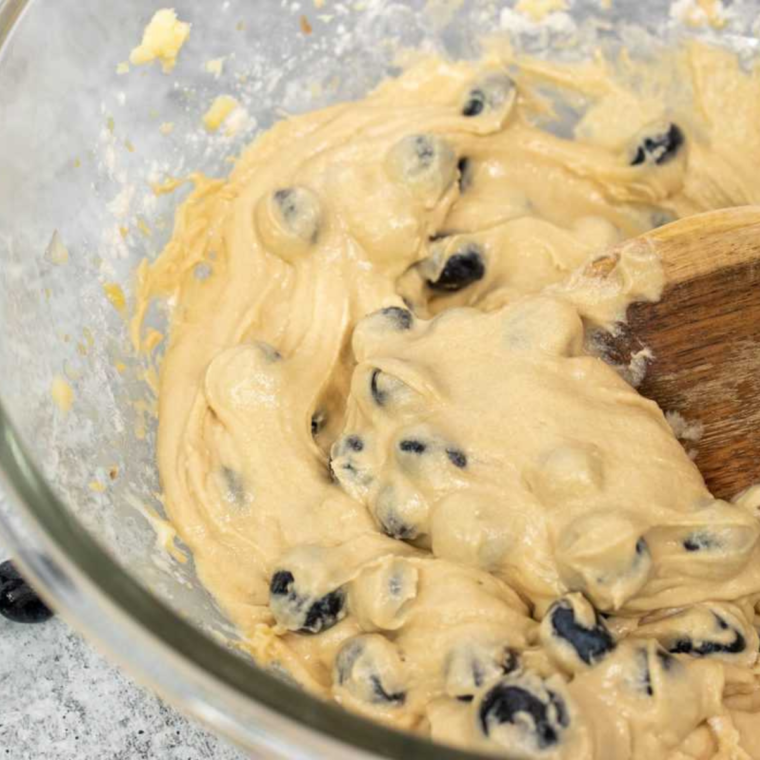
(61, 699)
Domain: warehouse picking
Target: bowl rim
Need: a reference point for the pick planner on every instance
(227, 693)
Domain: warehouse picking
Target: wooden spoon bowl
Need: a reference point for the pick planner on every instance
(704, 335)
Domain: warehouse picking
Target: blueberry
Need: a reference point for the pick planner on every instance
(281, 583)
(354, 443)
(395, 527)
(369, 668)
(299, 212)
(426, 164)
(591, 644)
(234, 483)
(350, 467)
(607, 580)
(537, 714)
(380, 396)
(659, 146)
(492, 93)
(409, 446)
(706, 647)
(462, 269)
(666, 660)
(400, 511)
(465, 174)
(700, 541)
(18, 600)
(457, 458)
(401, 319)
(470, 666)
(380, 693)
(269, 352)
(318, 420)
(645, 674)
(475, 103)
(705, 630)
(301, 612)
(325, 612)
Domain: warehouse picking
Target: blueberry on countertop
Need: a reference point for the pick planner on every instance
(462, 269)
(18, 600)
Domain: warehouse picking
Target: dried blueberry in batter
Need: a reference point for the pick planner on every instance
(318, 420)
(666, 660)
(394, 526)
(492, 93)
(426, 164)
(18, 600)
(700, 541)
(401, 319)
(465, 174)
(411, 446)
(725, 640)
(537, 715)
(299, 212)
(281, 583)
(299, 612)
(354, 443)
(645, 674)
(590, 644)
(387, 390)
(475, 103)
(369, 668)
(457, 458)
(400, 511)
(325, 612)
(379, 395)
(471, 666)
(462, 269)
(659, 146)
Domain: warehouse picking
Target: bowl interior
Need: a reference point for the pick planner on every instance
(82, 147)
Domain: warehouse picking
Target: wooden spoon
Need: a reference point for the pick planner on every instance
(704, 334)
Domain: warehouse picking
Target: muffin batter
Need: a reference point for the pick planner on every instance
(400, 468)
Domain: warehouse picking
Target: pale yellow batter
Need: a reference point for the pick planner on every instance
(400, 470)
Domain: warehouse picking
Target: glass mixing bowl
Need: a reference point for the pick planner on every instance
(80, 145)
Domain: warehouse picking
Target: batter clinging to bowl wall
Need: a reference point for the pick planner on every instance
(400, 471)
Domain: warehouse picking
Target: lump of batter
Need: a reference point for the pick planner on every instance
(401, 469)
(162, 39)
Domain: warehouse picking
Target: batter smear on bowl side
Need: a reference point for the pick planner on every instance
(399, 468)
